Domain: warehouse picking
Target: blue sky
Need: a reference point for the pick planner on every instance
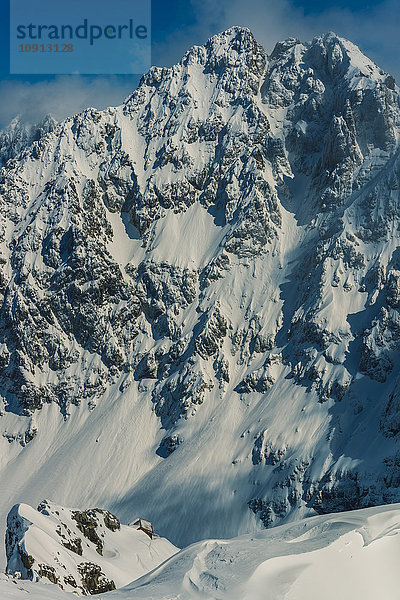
(178, 24)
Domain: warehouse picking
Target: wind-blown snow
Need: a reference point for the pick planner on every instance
(348, 555)
(351, 555)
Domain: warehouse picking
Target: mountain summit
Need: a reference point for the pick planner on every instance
(200, 294)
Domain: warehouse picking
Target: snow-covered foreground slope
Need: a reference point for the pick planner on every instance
(348, 555)
(86, 552)
(15, 589)
(200, 294)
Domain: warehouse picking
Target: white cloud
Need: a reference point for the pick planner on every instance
(61, 97)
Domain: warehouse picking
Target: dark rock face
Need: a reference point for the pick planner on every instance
(86, 523)
(169, 444)
(70, 580)
(110, 520)
(17, 136)
(390, 419)
(93, 579)
(16, 528)
(346, 493)
(48, 572)
(74, 545)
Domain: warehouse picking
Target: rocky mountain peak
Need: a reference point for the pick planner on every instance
(18, 135)
(215, 263)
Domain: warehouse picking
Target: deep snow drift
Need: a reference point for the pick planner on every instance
(349, 555)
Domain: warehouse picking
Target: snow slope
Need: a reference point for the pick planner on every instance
(84, 552)
(349, 555)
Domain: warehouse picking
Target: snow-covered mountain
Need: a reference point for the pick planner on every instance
(17, 135)
(84, 552)
(200, 294)
(351, 555)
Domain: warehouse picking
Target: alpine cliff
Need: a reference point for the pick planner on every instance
(200, 293)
